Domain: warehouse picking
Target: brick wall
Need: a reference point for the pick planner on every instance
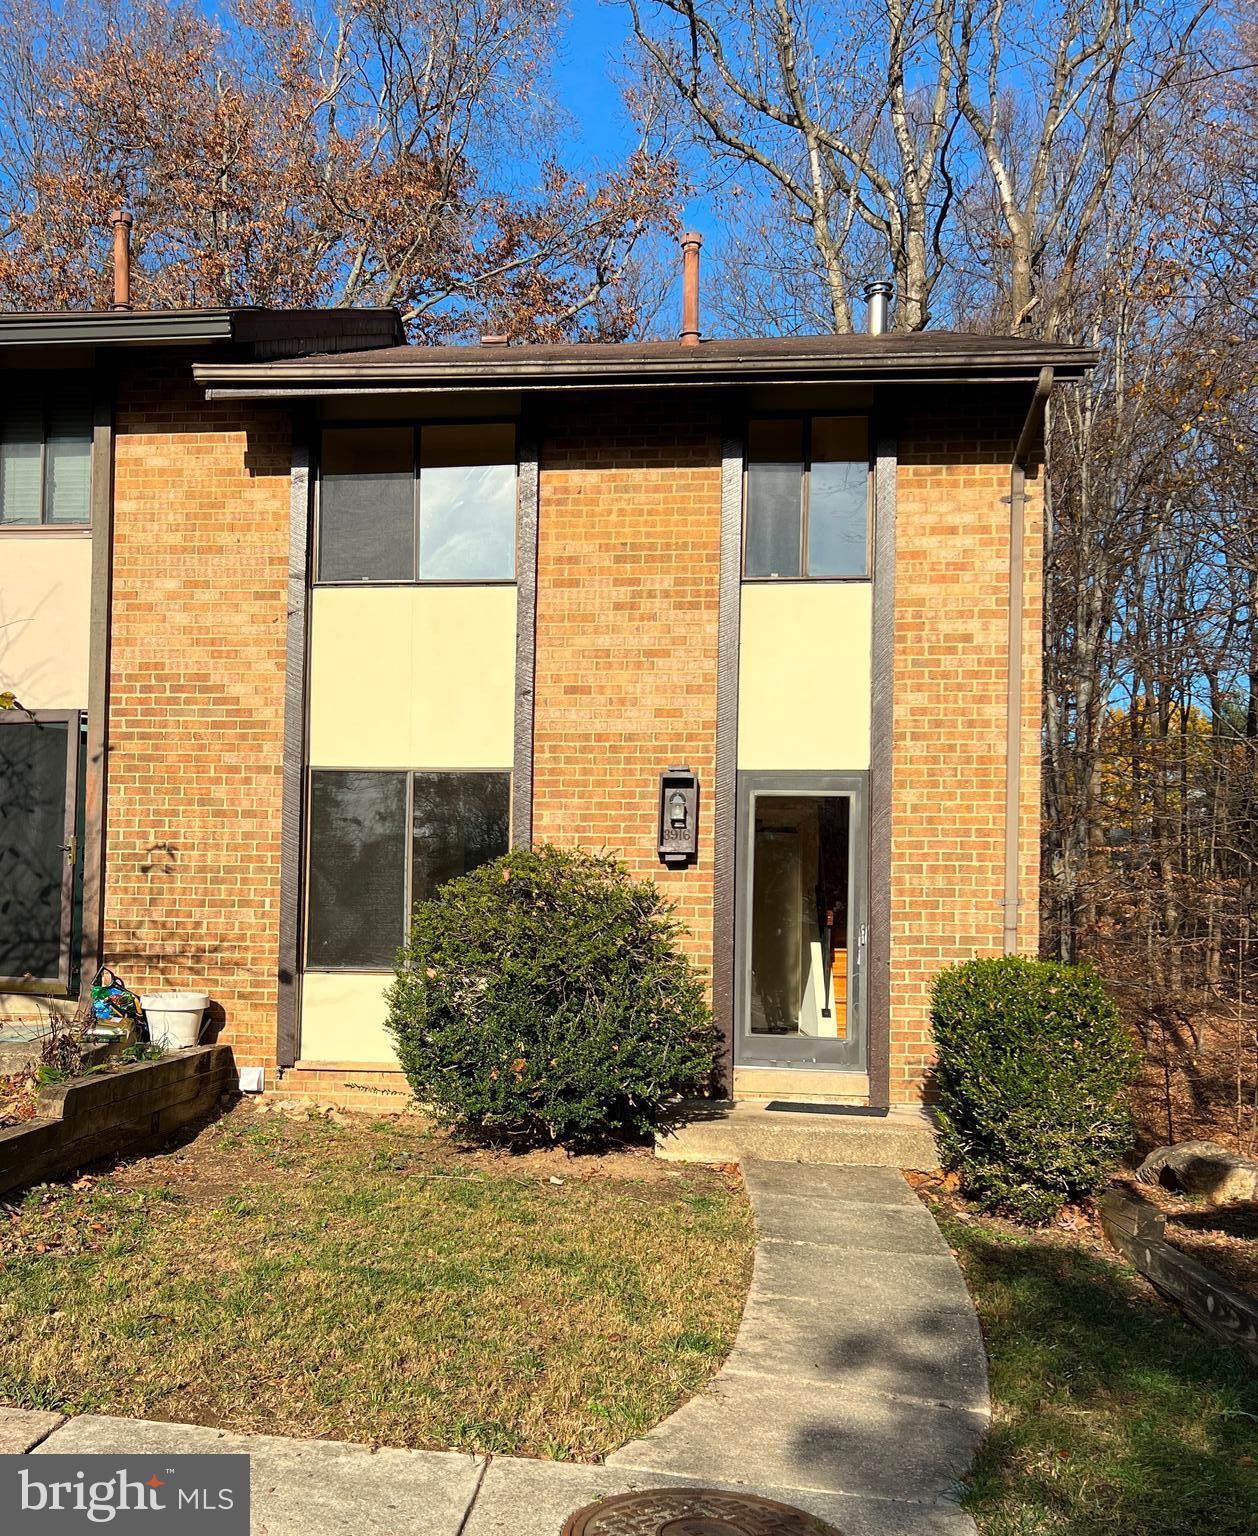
(627, 615)
(201, 496)
(628, 592)
(951, 656)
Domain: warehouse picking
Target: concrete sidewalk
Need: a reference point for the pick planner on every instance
(856, 1390)
(858, 1373)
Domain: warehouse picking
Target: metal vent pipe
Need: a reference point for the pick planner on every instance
(122, 222)
(690, 243)
(878, 297)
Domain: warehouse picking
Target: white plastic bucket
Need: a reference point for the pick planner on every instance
(174, 1018)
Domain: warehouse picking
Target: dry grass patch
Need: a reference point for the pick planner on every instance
(372, 1282)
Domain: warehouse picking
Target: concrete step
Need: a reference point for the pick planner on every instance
(728, 1133)
(21, 1046)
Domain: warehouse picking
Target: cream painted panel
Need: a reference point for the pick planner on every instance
(412, 677)
(804, 675)
(342, 1018)
(45, 603)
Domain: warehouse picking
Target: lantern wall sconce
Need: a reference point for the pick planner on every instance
(679, 815)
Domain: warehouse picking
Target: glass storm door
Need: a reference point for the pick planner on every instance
(39, 834)
(802, 939)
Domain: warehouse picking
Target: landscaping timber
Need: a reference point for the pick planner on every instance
(1136, 1228)
(133, 1109)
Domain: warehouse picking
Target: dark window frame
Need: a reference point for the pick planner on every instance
(807, 418)
(409, 836)
(416, 426)
(79, 526)
(72, 719)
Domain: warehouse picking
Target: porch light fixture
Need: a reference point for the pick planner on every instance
(678, 815)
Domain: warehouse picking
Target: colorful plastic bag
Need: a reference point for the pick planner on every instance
(113, 1002)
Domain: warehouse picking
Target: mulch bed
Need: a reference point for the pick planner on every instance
(1224, 1238)
(18, 1092)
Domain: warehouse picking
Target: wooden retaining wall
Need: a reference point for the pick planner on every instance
(134, 1109)
(1137, 1229)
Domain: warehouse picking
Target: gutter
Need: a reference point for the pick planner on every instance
(216, 389)
(603, 367)
(327, 330)
(1013, 703)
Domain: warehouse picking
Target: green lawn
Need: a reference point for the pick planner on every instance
(1111, 1414)
(369, 1282)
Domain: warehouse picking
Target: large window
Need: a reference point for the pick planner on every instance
(405, 504)
(380, 841)
(807, 506)
(45, 454)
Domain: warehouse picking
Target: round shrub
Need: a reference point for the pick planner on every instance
(544, 996)
(1033, 1074)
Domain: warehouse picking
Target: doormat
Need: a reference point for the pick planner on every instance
(867, 1110)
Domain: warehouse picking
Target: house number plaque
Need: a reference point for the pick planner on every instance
(679, 815)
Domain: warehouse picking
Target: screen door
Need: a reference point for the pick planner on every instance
(39, 777)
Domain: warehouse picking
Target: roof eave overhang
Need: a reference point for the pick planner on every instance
(254, 325)
(127, 326)
(241, 382)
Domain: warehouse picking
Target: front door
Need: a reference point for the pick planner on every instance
(802, 938)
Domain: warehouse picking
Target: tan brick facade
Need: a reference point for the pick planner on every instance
(627, 611)
(196, 716)
(951, 660)
(625, 684)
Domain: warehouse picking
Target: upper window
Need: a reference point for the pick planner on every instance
(46, 456)
(403, 504)
(807, 498)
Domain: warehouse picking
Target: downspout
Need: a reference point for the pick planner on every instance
(1013, 711)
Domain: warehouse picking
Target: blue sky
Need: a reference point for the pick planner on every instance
(586, 79)
(593, 42)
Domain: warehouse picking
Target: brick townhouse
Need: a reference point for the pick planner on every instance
(306, 620)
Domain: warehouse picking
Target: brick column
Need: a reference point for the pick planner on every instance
(627, 608)
(951, 654)
(196, 711)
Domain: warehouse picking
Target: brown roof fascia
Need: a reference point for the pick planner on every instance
(938, 357)
(270, 332)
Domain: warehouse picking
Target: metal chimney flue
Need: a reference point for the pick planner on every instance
(122, 222)
(690, 243)
(878, 297)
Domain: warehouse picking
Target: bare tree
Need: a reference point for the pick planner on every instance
(403, 152)
(845, 116)
(1091, 75)
(934, 138)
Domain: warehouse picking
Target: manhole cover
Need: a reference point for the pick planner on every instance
(692, 1512)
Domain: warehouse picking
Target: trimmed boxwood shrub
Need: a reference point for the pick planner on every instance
(545, 997)
(1033, 1074)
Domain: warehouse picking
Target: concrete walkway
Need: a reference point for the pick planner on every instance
(858, 1375)
(856, 1390)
